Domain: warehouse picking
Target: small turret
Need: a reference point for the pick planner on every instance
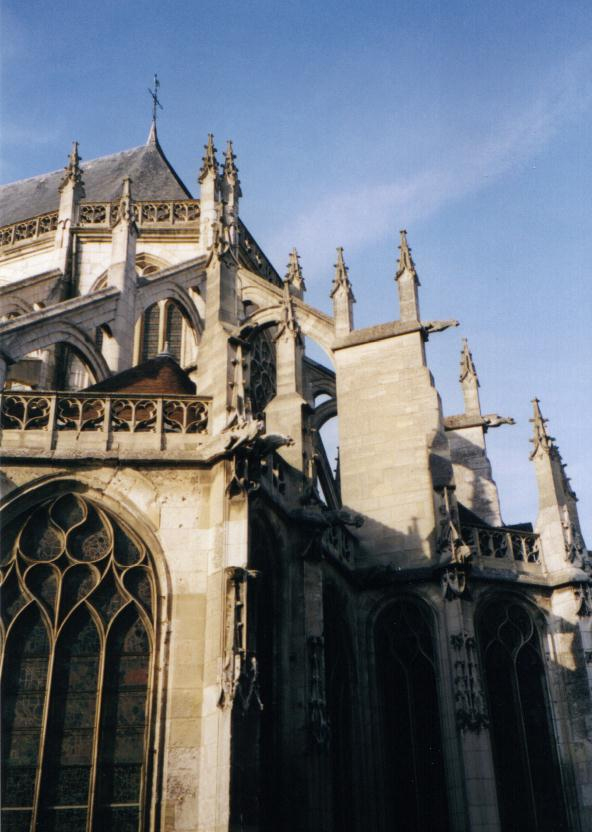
(407, 282)
(294, 277)
(343, 298)
(469, 380)
(558, 522)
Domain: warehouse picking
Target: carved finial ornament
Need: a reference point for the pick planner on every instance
(72, 171)
(294, 274)
(341, 279)
(467, 366)
(210, 163)
(541, 438)
(405, 261)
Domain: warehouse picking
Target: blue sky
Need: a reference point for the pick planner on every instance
(468, 123)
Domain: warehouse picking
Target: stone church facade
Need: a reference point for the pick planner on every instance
(204, 625)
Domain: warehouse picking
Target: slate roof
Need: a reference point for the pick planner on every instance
(151, 174)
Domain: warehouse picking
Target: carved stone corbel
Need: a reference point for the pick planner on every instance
(317, 703)
(471, 712)
(239, 678)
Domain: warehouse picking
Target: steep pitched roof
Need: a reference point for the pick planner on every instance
(151, 173)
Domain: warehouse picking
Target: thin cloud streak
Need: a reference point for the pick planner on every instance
(364, 215)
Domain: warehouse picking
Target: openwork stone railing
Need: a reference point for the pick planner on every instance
(62, 414)
(146, 214)
(503, 544)
(28, 229)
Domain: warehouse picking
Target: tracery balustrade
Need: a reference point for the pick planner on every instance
(503, 544)
(24, 411)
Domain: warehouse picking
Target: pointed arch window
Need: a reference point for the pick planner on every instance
(150, 332)
(528, 781)
(77, 606)
(263, 381)
(414, 776)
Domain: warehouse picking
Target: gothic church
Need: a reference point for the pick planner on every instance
(205, 625)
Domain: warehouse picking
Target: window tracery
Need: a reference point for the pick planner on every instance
(262, 384)
(77, 615)
(528, 781)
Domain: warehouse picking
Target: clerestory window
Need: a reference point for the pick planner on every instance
(77, 604)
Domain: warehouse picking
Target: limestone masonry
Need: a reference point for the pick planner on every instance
(204, 625)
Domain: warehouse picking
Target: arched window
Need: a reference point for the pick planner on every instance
(162, 328)
(77, 605)
(174, 330)
(529, 786)
(262, 386)
(414, 777)
(150, 332)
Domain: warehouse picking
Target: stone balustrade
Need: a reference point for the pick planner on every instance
(146, 214)
(29, 229)
(503, 544)
(58, 420)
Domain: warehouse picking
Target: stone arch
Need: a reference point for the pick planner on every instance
(13, 306)
(61, 332)
(146, 264)
(323, 413)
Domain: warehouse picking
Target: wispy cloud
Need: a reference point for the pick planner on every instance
(360, 216)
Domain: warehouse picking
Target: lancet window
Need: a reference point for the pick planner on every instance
(263, 382)
(162, 328)
(528, 780)
(77, 608)
(413, 764)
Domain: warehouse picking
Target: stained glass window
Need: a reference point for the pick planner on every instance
(150, 327)
(174, 330)
(262, 372)
(77, 608)
(528, 781)
(415, 786)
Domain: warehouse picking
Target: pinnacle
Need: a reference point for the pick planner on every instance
(72, 171)
(230, 168)
(210, 163)
(541, 438)
(467, 366)
(294, 276)
(341, 278)
(405, 261)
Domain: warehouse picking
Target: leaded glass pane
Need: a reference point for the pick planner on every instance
(150, 332)
(174, 330)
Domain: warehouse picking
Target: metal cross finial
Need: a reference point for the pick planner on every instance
(154, 94)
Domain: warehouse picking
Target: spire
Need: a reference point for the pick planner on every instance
(210, 163)
(541, 438)
(469, 380)
(405, 261)
(152, 135)
(294, 277)
(343, 298)
(72, 171)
